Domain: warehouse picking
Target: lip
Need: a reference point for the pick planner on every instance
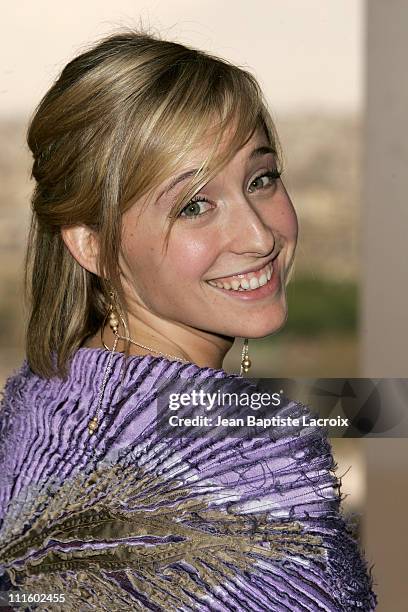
(247, 270)
(256, 294)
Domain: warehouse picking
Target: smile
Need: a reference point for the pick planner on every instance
(251, 286)
(245, 282)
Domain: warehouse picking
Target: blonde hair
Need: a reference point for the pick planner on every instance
(122, 117)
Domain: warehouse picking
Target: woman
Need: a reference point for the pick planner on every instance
(161, 232)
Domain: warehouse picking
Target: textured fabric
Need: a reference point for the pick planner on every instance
(125, 520)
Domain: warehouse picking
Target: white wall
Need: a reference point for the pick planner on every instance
(306, 54)
(384, 277)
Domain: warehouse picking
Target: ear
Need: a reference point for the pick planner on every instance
(82, 243)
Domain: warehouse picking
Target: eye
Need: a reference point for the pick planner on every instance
(266, 179)
(192, 209)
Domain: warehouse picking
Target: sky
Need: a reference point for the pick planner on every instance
(306, 54)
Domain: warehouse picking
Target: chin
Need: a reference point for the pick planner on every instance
(262, 327)
(265, 331)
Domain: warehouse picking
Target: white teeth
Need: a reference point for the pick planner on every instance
(246, 284)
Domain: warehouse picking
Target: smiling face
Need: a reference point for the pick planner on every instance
(241, 220)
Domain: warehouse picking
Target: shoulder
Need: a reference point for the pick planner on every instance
(274, 498)
(11, 396)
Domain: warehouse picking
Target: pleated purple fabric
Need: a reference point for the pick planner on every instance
(127, 519)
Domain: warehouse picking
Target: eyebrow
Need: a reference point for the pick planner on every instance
(255, 154)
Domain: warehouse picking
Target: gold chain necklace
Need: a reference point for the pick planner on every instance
(149, 348)
(114, 325)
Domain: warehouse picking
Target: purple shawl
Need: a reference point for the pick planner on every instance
(126, 520)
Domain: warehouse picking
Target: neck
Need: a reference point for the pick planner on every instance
(171, 338)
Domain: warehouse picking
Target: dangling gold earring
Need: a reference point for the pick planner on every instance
(245, 360)
(113, 316)
(93, 423)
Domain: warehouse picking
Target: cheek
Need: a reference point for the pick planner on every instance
(140, 259)
(289, 218)
(283, 218)
(189, 258)
(155, 273)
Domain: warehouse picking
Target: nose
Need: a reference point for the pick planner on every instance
(249, 231)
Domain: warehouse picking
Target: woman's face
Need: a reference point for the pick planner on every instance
(242, 220)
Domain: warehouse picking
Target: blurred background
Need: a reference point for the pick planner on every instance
(313, 62)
